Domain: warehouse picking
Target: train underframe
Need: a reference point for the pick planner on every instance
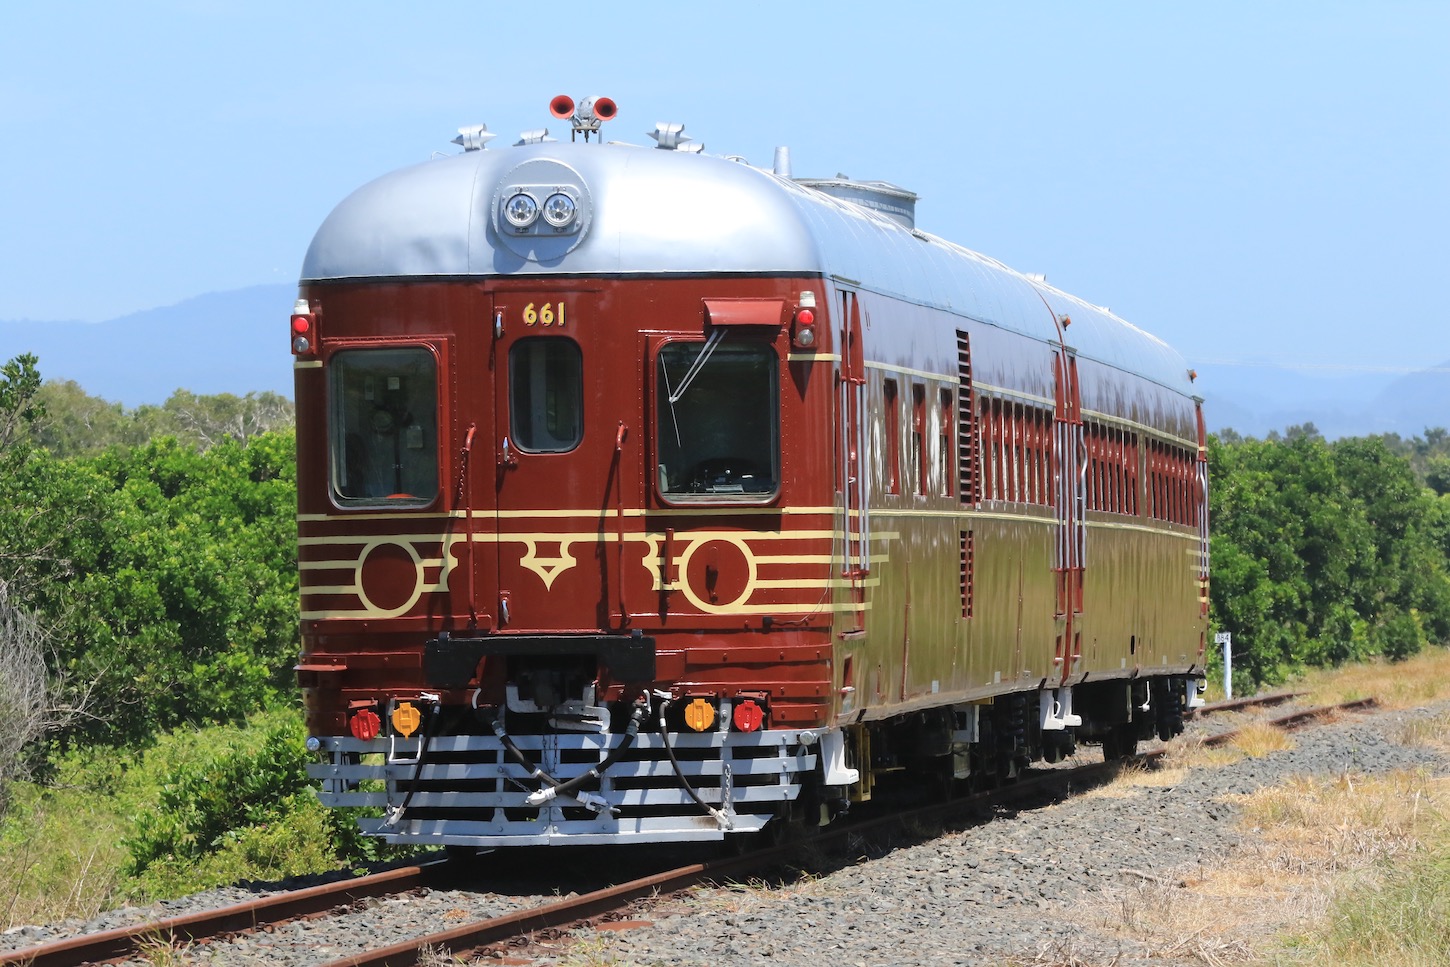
(539, 769)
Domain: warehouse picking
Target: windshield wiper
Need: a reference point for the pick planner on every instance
(699, 363)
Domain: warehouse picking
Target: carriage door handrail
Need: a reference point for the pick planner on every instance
(856, 561)
(465, 497)
(1070, 489)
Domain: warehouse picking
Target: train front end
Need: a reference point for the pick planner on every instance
(565, 503)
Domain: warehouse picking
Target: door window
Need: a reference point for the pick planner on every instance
(546, 394)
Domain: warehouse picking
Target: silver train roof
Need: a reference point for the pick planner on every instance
(645, 211)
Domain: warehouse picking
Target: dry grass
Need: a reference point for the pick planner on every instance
(1325, 826)
(1259, 739)
(1416, 681)
(1059, 953)
(58, 859)
(1430, 730)
(1135, 776)
(1316, 841)
(431, 956)
(1189, 754)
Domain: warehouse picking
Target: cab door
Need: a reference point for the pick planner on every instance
(562, 476)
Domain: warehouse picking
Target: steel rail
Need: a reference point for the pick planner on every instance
(1296, 720)
(1234, 705)
(125, 941)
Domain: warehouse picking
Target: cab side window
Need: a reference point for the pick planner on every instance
(384, 430)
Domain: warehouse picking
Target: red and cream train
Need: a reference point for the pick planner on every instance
(646, 495)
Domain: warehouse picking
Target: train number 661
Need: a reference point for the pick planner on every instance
(547, 315)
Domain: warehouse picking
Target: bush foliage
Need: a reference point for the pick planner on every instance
(232, 803)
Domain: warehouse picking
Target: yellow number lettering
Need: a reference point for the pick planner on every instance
(530, 316)
(561, 315)
(546, 315)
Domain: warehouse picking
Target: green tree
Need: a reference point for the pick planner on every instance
(1325, 553)
(76, 423)
(20, 406)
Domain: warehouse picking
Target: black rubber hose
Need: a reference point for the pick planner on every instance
(518, 755)
(571, 786)
(720, 817)
(427, 743)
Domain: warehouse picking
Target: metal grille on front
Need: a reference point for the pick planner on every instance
(469, 791)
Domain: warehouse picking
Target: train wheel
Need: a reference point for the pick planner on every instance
(1121, 742)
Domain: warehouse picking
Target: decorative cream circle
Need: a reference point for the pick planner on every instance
(682, 565)
(373, 611)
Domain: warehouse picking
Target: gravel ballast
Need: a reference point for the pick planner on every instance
(1009, 891)
(1006, 891)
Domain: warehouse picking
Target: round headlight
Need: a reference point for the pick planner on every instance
(521, 210)
(301, 345)
(559, 209)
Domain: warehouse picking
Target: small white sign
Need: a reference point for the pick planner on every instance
(1222, 637)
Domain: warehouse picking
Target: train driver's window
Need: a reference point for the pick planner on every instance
(384, 433)
(717, 420)
(546, 394)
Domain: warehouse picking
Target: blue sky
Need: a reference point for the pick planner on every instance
(1255, 182)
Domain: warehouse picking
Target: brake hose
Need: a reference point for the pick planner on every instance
(571, 786)
(719, 816)
(553, 788)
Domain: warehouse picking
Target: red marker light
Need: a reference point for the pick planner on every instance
(303, 322)
(365, 725)
(748, 716)
(803, 333)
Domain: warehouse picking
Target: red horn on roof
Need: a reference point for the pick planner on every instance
(563, 106)
(605, 108)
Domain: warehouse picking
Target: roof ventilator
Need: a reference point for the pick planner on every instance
(475, 137)
(671, 136)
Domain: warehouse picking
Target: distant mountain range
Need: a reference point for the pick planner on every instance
(221, 342)
(237, 342)
(1256, 399)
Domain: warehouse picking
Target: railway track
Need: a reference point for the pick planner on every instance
(119, 944)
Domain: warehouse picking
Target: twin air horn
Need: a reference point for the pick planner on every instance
(586, 116)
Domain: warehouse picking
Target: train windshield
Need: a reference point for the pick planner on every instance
(384, 426)
(718, 421)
